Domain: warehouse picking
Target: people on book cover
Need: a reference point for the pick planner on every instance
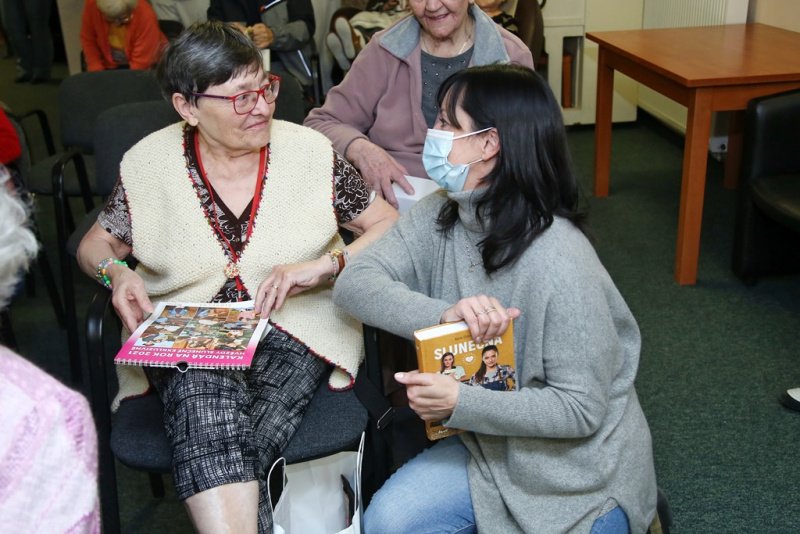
(449, 368)
(490, 375)
(231, 205)
(570, 450)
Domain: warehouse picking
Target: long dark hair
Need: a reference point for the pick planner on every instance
(532, 180)
(482, 369)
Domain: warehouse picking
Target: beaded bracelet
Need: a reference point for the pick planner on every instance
(337, 259)
(102, 275)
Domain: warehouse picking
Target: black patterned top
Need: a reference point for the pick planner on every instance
(352, 196)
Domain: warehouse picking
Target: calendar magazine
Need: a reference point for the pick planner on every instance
(186, 335)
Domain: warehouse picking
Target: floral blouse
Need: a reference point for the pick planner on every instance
(352, 195)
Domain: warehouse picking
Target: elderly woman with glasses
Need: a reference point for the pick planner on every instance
(231, 205)
(120, 34)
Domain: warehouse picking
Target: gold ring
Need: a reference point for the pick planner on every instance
(490, 309)
(274, 286)
(480, 313)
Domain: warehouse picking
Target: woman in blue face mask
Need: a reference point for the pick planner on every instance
(570, 450)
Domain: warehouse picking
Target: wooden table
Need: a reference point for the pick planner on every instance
(713, 68)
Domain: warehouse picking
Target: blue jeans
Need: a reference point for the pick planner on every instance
(434, 485)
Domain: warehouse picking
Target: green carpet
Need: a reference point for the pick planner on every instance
(715, 356)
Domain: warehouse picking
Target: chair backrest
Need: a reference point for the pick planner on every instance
(83, 96)
(170, 28)
(771, 133)
(531, 27)
(289, 105)
(119, 128)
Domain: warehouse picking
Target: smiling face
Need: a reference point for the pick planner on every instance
(490, 359)
(440, 18)
(219, 124)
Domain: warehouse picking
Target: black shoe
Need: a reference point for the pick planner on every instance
(791, 399)
(23, 78)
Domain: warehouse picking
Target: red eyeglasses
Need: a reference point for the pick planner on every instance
(243, 103)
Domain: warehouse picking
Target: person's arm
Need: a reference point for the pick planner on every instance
(583, 348)
(348, 113)
(371, 224)
(129, 298)
(90, 40)
(386, 285)
(146, 40)
(297, 32)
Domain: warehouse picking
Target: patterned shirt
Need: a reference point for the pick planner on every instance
(352, 195)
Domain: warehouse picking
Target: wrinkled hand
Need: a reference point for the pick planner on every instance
(129, 297)
(484, 315)
(430, 395)
(379, 169)
(286, 280)
(261, 35)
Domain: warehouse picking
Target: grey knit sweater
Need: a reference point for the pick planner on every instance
(573, 441)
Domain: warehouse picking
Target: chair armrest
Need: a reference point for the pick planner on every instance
(771, 136)
(44, 126)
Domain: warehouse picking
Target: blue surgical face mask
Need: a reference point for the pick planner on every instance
(438, 144)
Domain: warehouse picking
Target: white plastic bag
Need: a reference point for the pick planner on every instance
(314, 499)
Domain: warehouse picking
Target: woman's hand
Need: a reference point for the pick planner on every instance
(378, 168)
(484, 315)
(286, 280)
(129, 297)
(430, 395)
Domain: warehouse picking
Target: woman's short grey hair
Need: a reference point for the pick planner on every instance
(206, 54)
(116, 8)
(17, 242)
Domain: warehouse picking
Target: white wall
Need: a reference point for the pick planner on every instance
(781, 13)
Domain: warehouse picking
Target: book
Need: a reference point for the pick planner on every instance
(187, 335)
(450, 350)
(422, 187)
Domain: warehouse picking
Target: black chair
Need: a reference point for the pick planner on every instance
(307, 58)
(767, 228)
(333, 422)
(170, 28)
(81, 98)
(22, 166)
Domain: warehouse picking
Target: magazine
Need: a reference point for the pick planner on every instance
(186, 335)
(422, 188)
(450, 350)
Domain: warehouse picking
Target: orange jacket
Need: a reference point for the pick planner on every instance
(144, 37)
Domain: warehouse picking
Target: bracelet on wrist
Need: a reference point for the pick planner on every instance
(102, 271)
(337, 257)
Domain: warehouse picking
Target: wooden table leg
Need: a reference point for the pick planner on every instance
(602, 128)
(695, 156)
(733, 160)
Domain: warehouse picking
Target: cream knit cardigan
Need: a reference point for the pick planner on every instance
(181, 258)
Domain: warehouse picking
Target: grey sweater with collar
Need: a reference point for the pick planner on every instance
(573, 441)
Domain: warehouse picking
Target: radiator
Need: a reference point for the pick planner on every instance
(681, 14)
